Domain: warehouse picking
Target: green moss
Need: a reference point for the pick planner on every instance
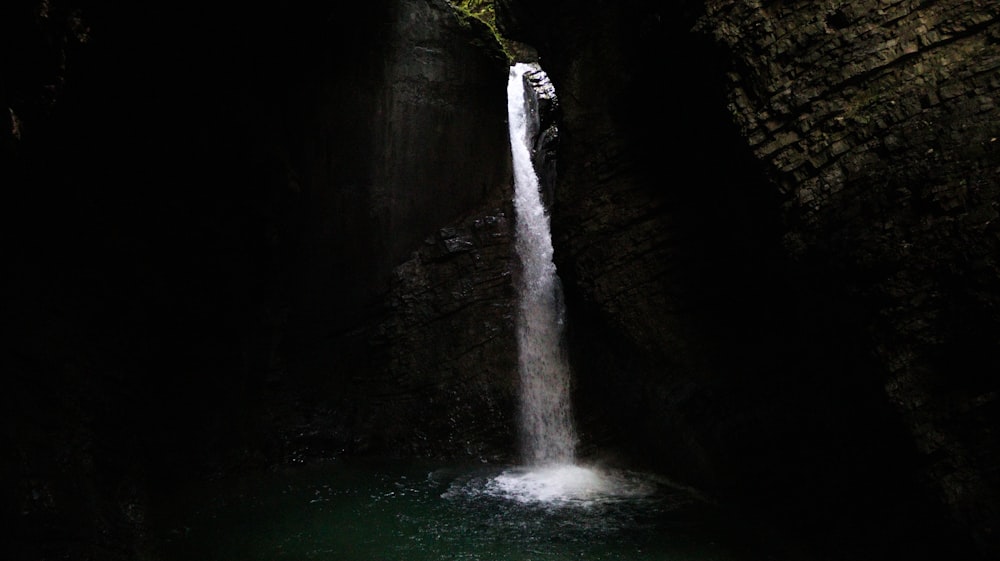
(483, 11)
(479, 9)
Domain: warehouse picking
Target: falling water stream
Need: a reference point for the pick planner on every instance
(546, 420)
(552, 507)
(547, 429)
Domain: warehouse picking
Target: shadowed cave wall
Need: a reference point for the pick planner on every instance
(240, 237)
(809, 312)
(204, 210)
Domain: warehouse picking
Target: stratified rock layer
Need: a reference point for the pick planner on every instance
(813, 328)
(878, 123)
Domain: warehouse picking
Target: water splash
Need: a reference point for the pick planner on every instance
(548, 433)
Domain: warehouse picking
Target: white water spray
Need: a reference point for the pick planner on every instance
(548, 434)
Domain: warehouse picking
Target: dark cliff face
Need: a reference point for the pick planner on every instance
(775, 223)
(205, 211)
(878, 128)
(399, 299)
(238, 236)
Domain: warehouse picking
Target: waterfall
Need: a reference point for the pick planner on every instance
(548, 437)
(547, 431)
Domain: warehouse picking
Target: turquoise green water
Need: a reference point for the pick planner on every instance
(409, 512)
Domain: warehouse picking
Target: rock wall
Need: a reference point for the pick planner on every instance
(442, 345)
(242, 236)
(238, 236)
(416, 142)
(404, 339)
(779, 264)
(444, 379)
(877, 122)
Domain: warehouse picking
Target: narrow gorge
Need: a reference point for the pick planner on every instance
(256, 241)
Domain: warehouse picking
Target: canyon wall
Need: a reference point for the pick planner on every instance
(778, 220)
(238, 238)
(877, 123)
(241, 237)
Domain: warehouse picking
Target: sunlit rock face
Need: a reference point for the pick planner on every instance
(802, 303)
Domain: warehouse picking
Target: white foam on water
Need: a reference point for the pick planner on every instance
(567, 484)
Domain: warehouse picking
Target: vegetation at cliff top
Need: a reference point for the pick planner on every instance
(480, 9)
(484, 11)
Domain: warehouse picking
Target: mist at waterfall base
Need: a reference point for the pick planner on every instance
(548, 509)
